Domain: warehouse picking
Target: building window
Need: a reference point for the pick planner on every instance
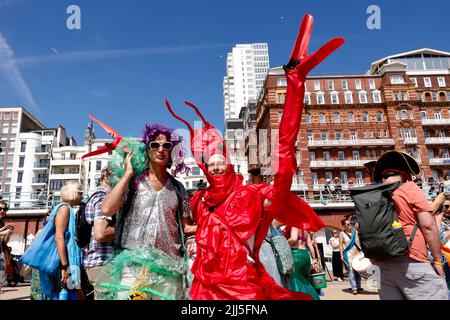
(308, 118)
(19, 176)
(18, 191)
(344, 85)
(322, 118)
(376, 97)
(326, 156)
(341, 155)
(281, 82)
(98, 165)
(423, 115)
(348, 97)
(314, 178)
(414, 80)
(404, 114)
(350, 117)
(411, 114)
(73, 156)
(358, 84)
(437, 115)
(307, 98)
(397, 79)
(330, 85)
(23, 145)
(441, 81)
(355, 154)
(352, 135)
(324, 135)
(427, 82)
(372, 83)
(320, 98)
(281, 97)
(338, 135)
(336, 118)
(316, 85)
(312, 156)
(310, 136)
(362, 97)
(280, 115)
(400, 134)
(365, 117)
(21, 162)
(334, 98)
(359, 177)
(379, 116)
(328, 176)
(448, 96)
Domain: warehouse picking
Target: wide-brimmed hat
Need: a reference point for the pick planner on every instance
(395, 161)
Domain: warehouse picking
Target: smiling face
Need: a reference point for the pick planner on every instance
(217, 165)
(159, 154)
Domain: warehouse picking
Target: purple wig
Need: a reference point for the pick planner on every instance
(152, 131)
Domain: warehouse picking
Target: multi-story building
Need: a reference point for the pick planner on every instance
(247, 66)
(401, 103)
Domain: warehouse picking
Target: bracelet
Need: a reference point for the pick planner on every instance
(437, 263)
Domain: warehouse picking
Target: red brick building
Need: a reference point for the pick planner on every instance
(401, 103)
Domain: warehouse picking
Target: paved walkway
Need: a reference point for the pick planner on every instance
(334, 291)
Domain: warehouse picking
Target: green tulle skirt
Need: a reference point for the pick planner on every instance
(149, 267)
(299, 279)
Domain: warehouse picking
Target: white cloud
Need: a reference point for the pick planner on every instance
(10, 71)
(9, 3)
(88, 55)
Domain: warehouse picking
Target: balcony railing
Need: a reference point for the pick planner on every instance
(358, 142)
(40, 180)
(437, 140)
(435, 122)
(42, 150)
(41, 165)
(337, 163)
(410, 141)
(439, 161)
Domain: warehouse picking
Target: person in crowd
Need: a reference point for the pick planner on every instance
(101, 245)
(443, 223)
(304, 256)
(338, 188)
(349, 248)
(70, 254)
(153, 221)
(6, 230)
(336, 261)
(399, 279)
(266, 254)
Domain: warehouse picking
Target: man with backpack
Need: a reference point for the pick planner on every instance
(99, 236)
(396, 225)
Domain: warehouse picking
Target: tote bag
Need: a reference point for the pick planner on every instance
(43, 254)
(282, 252)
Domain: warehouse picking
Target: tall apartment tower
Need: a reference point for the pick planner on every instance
(247, 66)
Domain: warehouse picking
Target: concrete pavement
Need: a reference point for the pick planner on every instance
(334, 291)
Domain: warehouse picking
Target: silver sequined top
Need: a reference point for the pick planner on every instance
(151, 221)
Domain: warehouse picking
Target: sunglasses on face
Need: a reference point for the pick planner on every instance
(3, 209)
(447, 206)
(156, 145)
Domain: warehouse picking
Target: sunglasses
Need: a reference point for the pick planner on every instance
(3, 209)
(447, 206)
(156, 145)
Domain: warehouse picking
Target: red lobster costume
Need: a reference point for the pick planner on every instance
(228, 213)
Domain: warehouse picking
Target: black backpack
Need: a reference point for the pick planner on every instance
(380, 232)
(83, 228)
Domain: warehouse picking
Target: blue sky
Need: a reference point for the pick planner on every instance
(130, 55)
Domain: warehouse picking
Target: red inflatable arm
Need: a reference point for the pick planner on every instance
(284, 161)
(108, 146)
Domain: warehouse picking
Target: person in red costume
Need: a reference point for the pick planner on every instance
(232, 218)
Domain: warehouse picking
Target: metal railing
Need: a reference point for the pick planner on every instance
(437, 140)
(316, 194)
